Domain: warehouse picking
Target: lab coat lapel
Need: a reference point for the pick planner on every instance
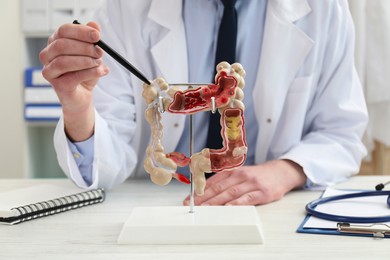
(284, 49)
(170, 57)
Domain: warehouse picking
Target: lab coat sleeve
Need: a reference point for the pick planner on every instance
(331, 148)
(107, 159)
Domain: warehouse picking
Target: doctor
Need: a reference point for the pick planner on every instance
(305, 107)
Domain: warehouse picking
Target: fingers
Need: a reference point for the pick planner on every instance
(252, 185)
(66, 72)
(72, 40)
(69, 47)
(87, 33)
(218, 177)
(251, 198)
(224, 192)
(225, 188)
(210, 181)
(217, 184)
(71, 57)
(69, 81)
(65, 64)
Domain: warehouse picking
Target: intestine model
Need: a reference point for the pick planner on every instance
(225, 96)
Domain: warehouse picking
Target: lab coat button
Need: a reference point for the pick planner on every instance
(176, 125)
(269, 120)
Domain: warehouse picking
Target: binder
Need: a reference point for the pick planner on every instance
(40, 95)
(42, 112)
(33, 77)
(40, 100)
(44, 200)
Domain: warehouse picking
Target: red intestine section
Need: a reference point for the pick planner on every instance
(196, 100)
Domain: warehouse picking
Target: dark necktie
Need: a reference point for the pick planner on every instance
(226, 51)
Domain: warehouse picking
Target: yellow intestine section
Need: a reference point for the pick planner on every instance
(233, 130)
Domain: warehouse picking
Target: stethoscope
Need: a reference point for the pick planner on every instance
(310, 207)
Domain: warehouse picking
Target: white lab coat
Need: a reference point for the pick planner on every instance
(372, 54)
(308, 101)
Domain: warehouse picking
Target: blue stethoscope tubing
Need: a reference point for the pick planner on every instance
(310, 208)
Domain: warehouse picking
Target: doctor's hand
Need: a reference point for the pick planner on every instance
(252, 185)
(73, 65)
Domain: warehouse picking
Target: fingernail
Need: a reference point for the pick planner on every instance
(94, 36)
(104, 70)
(97, 50)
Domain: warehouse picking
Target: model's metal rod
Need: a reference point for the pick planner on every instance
(192, 199)
(192, 184)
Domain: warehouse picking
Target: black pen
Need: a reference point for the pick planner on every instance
(120, 59)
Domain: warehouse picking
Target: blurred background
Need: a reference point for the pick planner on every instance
(30, 109)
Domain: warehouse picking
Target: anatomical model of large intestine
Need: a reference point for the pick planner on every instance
(225, 95)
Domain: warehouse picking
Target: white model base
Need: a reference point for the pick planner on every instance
(207, 225)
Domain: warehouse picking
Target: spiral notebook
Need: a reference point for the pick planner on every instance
(30, 203)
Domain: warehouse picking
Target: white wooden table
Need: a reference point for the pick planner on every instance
(92, 232)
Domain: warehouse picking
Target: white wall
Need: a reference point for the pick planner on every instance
(12, 127)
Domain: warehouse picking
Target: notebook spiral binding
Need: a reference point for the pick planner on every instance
(54, 206)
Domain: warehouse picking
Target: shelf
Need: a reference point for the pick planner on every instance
(41, 123)
(34, 35)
